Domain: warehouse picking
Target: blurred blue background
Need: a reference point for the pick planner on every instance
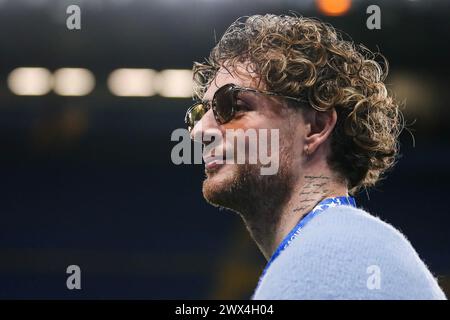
(86, 175)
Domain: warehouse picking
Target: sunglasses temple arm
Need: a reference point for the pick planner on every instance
(295, 99)
(287, 97)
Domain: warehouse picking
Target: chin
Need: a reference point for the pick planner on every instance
(235, 186)
(219, 184)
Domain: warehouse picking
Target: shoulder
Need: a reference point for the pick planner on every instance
(346, 253)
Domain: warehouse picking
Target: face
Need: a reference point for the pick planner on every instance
(242, 187)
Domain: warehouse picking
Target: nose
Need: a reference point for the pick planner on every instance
(205, 127)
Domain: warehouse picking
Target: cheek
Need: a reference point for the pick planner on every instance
(255, 120)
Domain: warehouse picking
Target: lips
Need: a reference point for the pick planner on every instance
(213, 163)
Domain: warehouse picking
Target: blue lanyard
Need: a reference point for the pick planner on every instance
(320, 207)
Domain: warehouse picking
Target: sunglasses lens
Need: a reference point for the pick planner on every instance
(194, 114)
(224, 104)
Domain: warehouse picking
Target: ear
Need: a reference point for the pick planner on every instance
(319, 126)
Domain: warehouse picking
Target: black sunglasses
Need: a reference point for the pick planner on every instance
(224, 104)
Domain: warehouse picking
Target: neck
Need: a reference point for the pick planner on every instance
(309, 190)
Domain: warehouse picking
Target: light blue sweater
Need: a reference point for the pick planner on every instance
(345, 253)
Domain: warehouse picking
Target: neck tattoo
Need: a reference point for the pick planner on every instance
(314, 189)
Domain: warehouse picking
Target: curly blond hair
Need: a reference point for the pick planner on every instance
(304, 57)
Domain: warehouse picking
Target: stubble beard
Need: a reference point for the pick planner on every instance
(256, 198)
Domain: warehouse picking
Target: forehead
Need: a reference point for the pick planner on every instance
(238, 75)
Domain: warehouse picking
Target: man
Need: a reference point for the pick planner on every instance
(338, 130)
